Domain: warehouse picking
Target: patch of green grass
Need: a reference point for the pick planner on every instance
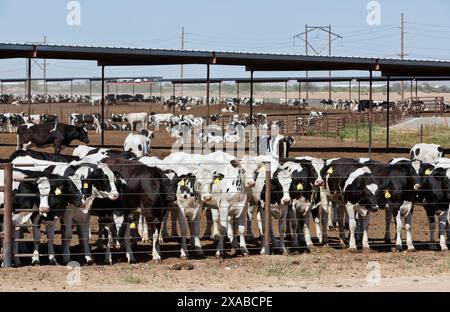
(407, 138)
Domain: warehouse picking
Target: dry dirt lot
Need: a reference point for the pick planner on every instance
(323, 269)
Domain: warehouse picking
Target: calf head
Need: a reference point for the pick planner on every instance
(435, 188)
(168, 190)
(369, 196)
(55, 193)
(101, 182)
(63, 191)
(249, 170)
(203, 183)
(186, 187)
(82, 134)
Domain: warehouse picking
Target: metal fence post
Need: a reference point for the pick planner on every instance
(421, 133)
(267, 215)
(7, 216)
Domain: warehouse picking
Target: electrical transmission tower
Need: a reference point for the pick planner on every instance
(331, 37)
(181, 66)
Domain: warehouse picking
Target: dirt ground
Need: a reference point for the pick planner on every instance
(323, 269)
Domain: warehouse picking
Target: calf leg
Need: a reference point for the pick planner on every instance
(388, 218)
(316, 216)
(282, 228)
(325, 215)
(128, 250)
(398, 227)
(442, 226)
(223, 219)
(250, 211)
(66, 231)
(352, 225)
(143, 228)
(36, 241)
(432, 226)
(306, 233)
(195, 232)
(109, 243)
(292, 216)
(156, 257)
(83, 235)
(101, 232)
(233, 230)
(209, 224)
(409, 240)
(340, 213)
(336, 215)
(216, 225)
(183, 225)
(260, 221)
(164, 232)
(50, 232)
(241, 230)
(365, 231)
(174, 215)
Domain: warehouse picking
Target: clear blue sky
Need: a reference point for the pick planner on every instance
(231, 25)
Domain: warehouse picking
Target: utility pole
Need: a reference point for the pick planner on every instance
(181, 66)
(331, 37)
(44, 64)
(402, 51)
(45, 71)
(45, 60)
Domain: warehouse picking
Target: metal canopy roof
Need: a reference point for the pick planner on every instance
(377, 78)
(252, 61)
(192, 80)
(9, 80)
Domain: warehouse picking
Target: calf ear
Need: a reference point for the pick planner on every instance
(218, 176)
(235, 163)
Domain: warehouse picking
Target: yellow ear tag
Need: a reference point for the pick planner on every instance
(85, 185)
(387, 194)
(181, 183)
(132, 225)
(330, 170)
(216, 181)
(58, 192)
(299, 186)
(428, 172)
(262, 169)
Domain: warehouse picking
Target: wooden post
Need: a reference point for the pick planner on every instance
(267, 214)
(7, 216)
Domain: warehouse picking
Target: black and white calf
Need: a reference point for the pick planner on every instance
(351, 186)
(427, 153)
(84, 120)
(435, 192)
(59, 135)
(55, 193)
(146, 188)
(138, 144)
(91, 181)
(275, 146)
(399, 183)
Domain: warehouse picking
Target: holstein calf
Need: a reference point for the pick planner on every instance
(351, 186)
(427, 153)
(146, 188)
(59, 135)
(435, 192)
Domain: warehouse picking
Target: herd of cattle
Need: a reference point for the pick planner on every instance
(132, 194)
